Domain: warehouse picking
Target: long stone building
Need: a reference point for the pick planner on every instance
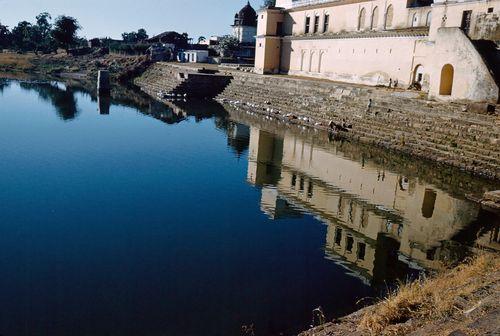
(447, 48)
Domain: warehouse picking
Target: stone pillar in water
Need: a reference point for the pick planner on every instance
(103, 83)
(104, 103)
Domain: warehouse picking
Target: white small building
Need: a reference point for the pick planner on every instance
(193, 56)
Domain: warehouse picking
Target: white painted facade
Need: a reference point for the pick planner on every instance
(379, 42)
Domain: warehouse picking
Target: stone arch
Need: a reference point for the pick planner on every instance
(361, 19)
(418, 74)
(428, 19)
(446, 85)
(389, 15)
(374, 20)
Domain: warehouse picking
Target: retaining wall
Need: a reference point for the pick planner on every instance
(402, 120)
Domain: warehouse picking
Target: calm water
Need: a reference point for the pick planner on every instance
(128, 217)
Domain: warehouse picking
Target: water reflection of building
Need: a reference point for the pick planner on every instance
(237, 137)
(380, 224)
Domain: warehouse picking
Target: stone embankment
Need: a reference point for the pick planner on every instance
(456, 134)
(167, 80)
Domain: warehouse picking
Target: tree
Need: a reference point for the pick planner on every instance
(5, 37)
(201, 39)
(142, 34)
(42, 34)
(134, 37)
(22, 36)
(129, 37)
(64, 32)
(228, 45)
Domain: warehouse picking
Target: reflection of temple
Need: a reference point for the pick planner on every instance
(381, 225)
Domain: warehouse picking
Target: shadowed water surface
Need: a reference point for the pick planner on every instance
(124, 216)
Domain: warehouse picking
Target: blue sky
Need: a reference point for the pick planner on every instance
(101, 18)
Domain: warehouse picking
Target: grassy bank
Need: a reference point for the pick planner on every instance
(464, 300)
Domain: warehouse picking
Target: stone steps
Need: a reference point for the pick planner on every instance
(430, 132)
(443, 132)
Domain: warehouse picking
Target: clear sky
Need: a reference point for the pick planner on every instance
(100, 18)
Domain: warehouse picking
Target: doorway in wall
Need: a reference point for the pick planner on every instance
(418, 75)
(466, 19)
(447, 74)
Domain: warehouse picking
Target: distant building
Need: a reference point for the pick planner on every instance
(212, 41)
(94, 43)
(245, 25)
(245, 30)
(193, 56)
(160, 52)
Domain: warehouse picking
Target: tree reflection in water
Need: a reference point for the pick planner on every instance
(3, 85)
(63, 100)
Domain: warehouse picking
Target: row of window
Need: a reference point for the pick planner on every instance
(301, 185)
(349, 243)
(312, 24)
(326, 24)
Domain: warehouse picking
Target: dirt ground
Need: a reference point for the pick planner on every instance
(120, 67)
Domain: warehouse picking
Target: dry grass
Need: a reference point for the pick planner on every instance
(16, 61)
(431, 298)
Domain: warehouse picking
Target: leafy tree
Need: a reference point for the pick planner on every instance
(5, 37)
(228, 45)
(134, 37)
(129, 37)
(22, 36)
(201, 39)
(142, 34)
(42, 34)
(64, 31)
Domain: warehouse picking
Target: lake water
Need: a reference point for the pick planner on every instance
(129, 217)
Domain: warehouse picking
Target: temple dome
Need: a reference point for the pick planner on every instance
(246, 17)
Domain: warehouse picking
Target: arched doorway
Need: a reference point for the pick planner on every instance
(389, 14)
(361, 19)
(447, 74)
(418, 74)
(374, 21)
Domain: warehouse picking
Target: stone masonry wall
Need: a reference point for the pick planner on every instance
(448, 133)
(399, 120)
(164, 80)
